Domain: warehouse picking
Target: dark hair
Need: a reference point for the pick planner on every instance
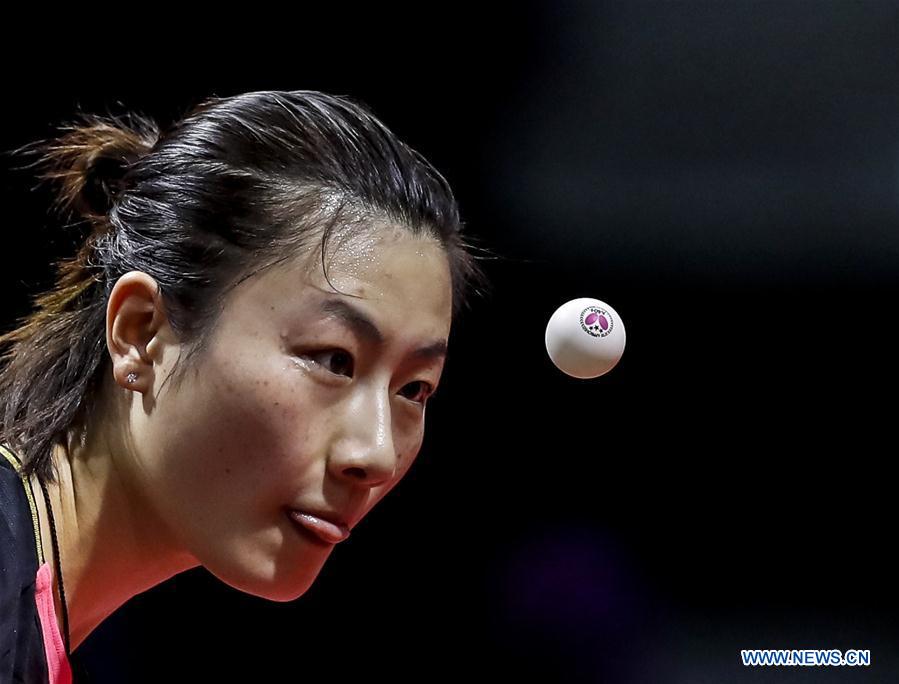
(236, 186)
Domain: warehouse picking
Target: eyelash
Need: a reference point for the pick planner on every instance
(429, 390)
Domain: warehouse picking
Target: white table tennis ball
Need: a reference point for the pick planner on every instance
(585, 338)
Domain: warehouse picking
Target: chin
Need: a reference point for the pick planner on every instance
(281, 584)
(288, 597)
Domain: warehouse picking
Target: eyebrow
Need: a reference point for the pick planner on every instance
(365, 328)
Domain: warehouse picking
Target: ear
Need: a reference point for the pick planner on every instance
(136, 328)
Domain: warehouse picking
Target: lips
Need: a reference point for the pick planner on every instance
(331, 531)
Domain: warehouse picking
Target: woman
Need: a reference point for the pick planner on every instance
(233, 370)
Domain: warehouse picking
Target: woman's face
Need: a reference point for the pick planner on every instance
(297, 405)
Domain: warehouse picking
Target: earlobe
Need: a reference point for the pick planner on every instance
(130, 379)
(132, 319)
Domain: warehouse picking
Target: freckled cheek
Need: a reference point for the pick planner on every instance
(407, 452)
(276, 414)
(246, 424)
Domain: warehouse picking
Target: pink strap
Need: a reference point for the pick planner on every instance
(57, 663)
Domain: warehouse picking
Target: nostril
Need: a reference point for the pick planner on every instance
(356, 472)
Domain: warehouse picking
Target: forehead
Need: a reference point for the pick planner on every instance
(399, 281)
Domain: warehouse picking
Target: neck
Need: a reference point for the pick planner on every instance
(111, 544)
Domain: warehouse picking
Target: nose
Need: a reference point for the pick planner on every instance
(363, 451)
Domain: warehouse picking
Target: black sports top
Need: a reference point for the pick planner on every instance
(31, 648)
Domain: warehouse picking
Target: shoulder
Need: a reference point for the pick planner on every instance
(22, 657)
(19, 559)
(17, 508)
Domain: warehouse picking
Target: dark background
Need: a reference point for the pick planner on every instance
(726, 175)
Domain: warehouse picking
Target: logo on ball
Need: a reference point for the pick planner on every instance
(596, 322)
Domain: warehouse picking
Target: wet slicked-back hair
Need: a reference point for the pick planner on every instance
(236, 186)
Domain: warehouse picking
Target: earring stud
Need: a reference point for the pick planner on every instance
(132, 377)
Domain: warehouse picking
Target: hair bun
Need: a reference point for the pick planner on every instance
(103, 182)
(91, 159)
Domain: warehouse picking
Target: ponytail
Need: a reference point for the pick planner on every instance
(56, 354)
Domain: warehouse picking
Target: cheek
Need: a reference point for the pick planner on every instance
(241, 431)
(269, 412)
(254, 431)
(407, 451)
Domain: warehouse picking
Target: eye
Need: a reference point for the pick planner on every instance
(341, 363)
(340, 358)
(425, 391)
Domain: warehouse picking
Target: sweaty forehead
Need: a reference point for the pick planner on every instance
(371, 265)
(363, 251)
(401, 281)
